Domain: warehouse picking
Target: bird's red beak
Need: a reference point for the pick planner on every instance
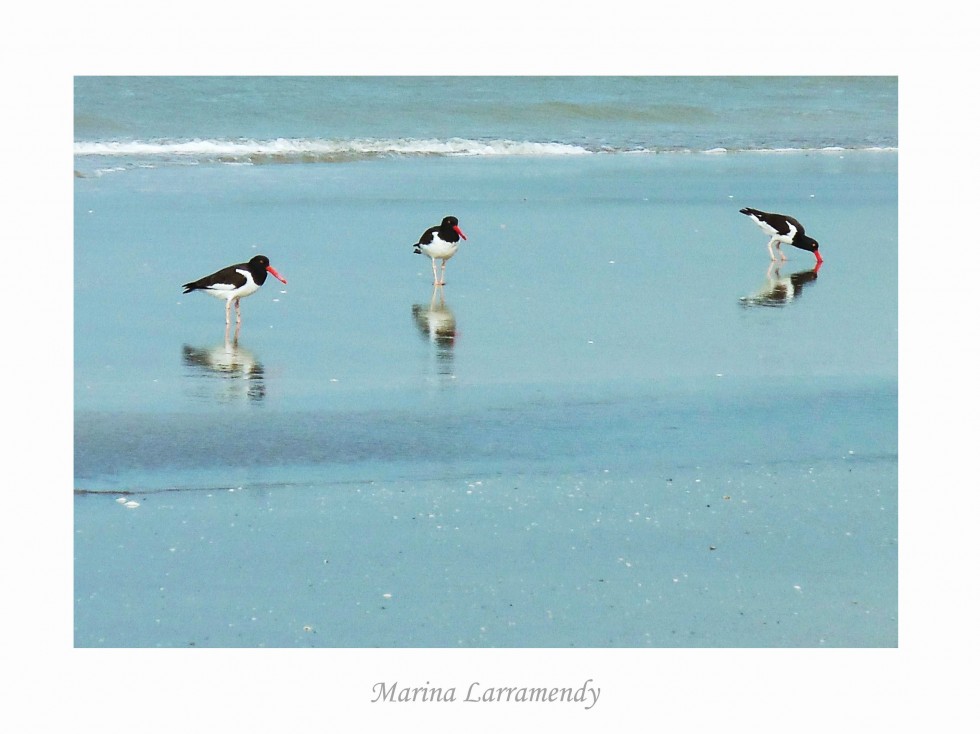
(273, 271)
(816, 254)
(459, 232)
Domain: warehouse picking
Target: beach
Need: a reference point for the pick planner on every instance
(605, 430)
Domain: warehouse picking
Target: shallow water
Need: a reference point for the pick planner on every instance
(617, 434)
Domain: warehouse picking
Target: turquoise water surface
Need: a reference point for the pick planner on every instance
(606, 430)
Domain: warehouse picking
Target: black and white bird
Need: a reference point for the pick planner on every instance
(440, 243)
(783, 230)
(235, 283)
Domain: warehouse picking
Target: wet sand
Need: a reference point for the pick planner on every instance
(609, 429)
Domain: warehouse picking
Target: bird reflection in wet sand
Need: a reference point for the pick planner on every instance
(780, 290)
(437, 324)
(242, 375)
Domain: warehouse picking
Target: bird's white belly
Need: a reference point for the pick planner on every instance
(439, 250)
(227, 292)
(786, 239)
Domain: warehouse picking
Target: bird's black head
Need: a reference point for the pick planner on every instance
(259, 266)
(807, 243)
(449, 229)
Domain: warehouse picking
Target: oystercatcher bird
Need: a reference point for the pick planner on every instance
(234, 283)
(440, 243)
(783, 229)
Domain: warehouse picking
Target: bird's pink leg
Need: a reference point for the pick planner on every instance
(228, 313)
(238, 311)
(772, 255)
(435, 276)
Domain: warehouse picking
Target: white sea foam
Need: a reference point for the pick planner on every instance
(149, 153)
(319, 149)
(825, 149)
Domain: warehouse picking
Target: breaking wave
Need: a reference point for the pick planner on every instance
(316, 150)
(114, 155)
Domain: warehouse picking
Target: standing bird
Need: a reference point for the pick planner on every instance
(783, 229)
(440, 243)
(234, 283)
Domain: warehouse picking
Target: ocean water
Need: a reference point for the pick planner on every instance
(152, 120)
(617, 425)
